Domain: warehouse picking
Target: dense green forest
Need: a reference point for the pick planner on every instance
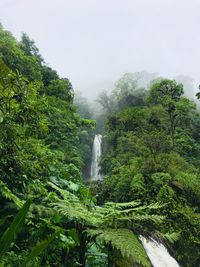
(49, 214)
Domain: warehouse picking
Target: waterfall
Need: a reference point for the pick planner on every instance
(96, 154)
(158, 254)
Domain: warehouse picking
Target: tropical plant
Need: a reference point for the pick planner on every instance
(116, 225)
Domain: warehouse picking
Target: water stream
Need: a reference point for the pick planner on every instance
(158, 254)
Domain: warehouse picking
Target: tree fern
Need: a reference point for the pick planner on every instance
(106, 216)
(112, 223)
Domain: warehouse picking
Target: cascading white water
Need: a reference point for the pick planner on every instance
(96, 154)
(158, 254)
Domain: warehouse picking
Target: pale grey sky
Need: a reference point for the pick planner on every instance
(93, 42)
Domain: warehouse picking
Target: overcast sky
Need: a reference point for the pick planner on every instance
(93, 42)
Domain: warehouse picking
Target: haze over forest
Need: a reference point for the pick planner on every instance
(93, 43)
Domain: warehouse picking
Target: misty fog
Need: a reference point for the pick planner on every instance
(94, 43)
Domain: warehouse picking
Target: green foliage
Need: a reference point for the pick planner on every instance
(151, 153)
(7, 193)
(37, 250)
(11, 233)
(40, 141)
(15, 58)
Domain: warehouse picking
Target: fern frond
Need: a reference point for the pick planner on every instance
(7, 193)
(41, 210)
(129, 208)
(64, 193)
(71, 211)
(111, 214)
(170, 237)
(124, 241)
(118, 212)
(152, 206)
(74, 209)
(126, 205)
(143, 218)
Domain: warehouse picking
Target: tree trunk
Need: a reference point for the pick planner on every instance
(82, 249)
(172, 130)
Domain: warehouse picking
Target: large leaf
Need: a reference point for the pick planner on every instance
(37, 250)
(10, 234)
